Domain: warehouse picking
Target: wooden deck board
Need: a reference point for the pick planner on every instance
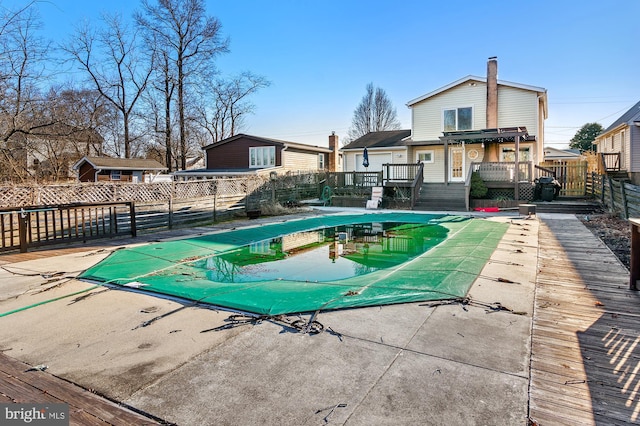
(85, 408)
(585, 361)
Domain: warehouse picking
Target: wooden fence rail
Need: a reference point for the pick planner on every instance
(36, 226)
(619, 197)
(140, 207)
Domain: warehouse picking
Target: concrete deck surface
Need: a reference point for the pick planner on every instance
(409, 364)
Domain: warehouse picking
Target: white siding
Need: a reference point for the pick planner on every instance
(634, 149)
(427, 115)
(293, 160)
(618, 140)
(625, 144)
(518, 107)
(434, 172)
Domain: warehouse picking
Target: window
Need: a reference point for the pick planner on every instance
(262, 156)
(509, 154)
(457, 119)
(320, 161)
(425, 157)
(115, 174)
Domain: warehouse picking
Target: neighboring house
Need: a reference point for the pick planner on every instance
(474, 119)
(99, 169)
(620, 144)
(50, 153)
(555, 155)
(246, 154)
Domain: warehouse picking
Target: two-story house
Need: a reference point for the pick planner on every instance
(471, 120)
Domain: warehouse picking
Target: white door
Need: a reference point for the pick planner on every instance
(456, 164)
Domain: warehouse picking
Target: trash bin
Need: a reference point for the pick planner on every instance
(547, 188)
(547, 193)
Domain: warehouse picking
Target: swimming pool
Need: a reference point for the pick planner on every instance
(327, 262)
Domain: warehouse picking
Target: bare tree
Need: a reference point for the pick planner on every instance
(115, 65)
(374, 113)
(225, 116)
(192, 40)
(159, 106)
(22, 69)
(76, 117)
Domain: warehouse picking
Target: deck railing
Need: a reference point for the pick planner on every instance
(401, 172)
(611, 161)
(504, 171)
(354, 179)
(34, 226)
(416, 184)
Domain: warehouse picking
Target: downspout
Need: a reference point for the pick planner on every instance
(446, 161)
(539, 132)
(284, 148)
(516, 187)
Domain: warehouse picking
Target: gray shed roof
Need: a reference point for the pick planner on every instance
(384, 139)
(108, 163)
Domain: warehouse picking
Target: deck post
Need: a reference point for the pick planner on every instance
(446, 162)
(623, 194)
(516, 186)
(634, 273)
(132, 214)
(23, 228)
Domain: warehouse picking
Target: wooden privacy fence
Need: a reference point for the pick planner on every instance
(617, 196)
(572, 176)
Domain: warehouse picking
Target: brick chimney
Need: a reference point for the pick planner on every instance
(334, 156)
(492, 93)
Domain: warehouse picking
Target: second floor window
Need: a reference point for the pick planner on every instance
(457, 119)
(262, 156)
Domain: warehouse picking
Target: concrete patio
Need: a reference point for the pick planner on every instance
(418, 363)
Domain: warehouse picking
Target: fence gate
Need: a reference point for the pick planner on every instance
(572, 175)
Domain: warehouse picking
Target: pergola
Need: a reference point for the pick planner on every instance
(487, 136)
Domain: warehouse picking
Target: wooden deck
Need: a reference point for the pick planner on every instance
(585, 366)
(19, 385)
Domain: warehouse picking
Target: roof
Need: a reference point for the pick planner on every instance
(278, 142)
(633, 114)
(502, 134)
(217, 172)
(561, 154)
(383, 139)
(479, 79)
(108, 163)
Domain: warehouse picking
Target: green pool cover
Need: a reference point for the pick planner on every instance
(452, 261)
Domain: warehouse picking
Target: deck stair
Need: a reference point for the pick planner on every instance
(441, 197)
(617, 174)
(568, 205)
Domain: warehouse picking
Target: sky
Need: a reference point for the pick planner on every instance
(320, 55)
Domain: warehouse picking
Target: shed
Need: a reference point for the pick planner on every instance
(100, 169)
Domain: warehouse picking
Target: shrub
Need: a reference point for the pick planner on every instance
(478, 188)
